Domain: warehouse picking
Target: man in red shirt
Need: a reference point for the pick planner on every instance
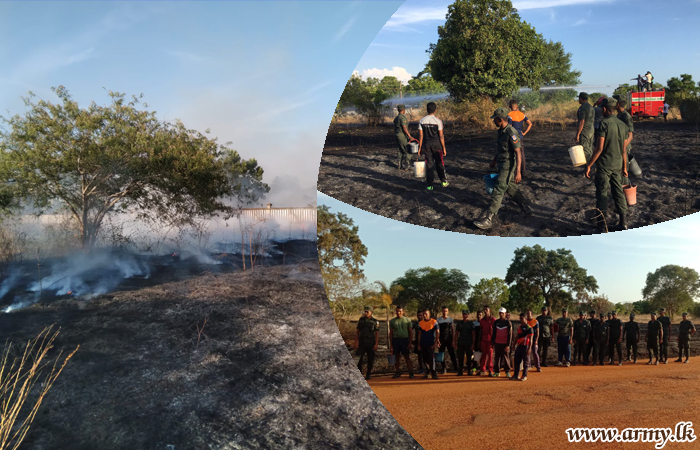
(486, 324)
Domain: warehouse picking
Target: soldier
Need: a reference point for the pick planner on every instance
(501, 338)
(403, 137)
(535, 325)
(624, 116)
(400, 338)
(509, 160)
(598, 113)
(582, 330)
(464, 341)
(525, 338)
(516, 119)
(475, 365)
(486, 324)
(565, 337)
(447, 328)
(609, 318)
(685, 330)
(432, 143)
(591, 340)
(601, 340)
(666, 323)
(612, 164)
(655, 334)
(545, 321)
(615, 341)
(428, 339)
(630, 334)
(416, 327)
(367, 339)
(586, 121)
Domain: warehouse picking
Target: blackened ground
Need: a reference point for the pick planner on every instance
(358, 167)
(268, 371)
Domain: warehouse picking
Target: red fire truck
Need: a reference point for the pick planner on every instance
(646, 104)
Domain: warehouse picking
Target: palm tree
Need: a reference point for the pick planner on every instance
(384, 297)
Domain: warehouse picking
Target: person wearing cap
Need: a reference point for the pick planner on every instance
(666, 324)
(612, 164)
(431, 142)
(501, 338)
(367, 339)
(535, 325)
(615, 341)
(630, 334)
(416, 327)
(685, 330)
(428, 340)
(525, 336)
(447, 328)
(403, 137)
(486, 324)
(509, 160)
(565, 338)
(400, 337)
(546, 338)
(582, 330)
(598, 114)
(586, 122)
(516, 119)
(601, 339)
(655, 334)
(464, 341)
(624, 116)
(591, 339)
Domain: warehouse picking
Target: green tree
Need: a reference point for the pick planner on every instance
(391, 85)
(424, 85)
(103, 160)
(484, 48)
(491, 292)
(432, 288)
(556, 274)
(366, 97)
(681, 89)
(642, 306)
(600, 304)
(672, 287)
(523, 296)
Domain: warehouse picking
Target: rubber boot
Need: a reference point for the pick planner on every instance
(486, 222)
(623, 222)
(523, 202)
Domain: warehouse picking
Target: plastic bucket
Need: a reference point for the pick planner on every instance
(391, 359)
(578, 158)
(633, 167)
(630, 191)
(420, 169)
(439, 356)
(477, 356)
(413, 147)
(490, 181)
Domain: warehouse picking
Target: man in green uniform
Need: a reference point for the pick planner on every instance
(655, 334)
(630, 334)
(464, 341)
(367, 339)
(586, 120)
(624, 116)
(400, 337)
(565, 338)
(685, 329)
(509, 160)
(601, 336)
(545, 320)
(612, 164)
(615, 341)
(582, 329)
(591, 339)
(403, 137)
(666, 323)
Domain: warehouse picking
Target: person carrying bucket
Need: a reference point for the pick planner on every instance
(400, 338)
(367, 339)
(509, 160)
(612, 164)
(431, 142)
(624, 116)
(403, 137)
(586, 122)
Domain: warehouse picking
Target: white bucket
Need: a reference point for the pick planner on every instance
(578, 158)
(477, 356)
(413, 147)
(420, 169)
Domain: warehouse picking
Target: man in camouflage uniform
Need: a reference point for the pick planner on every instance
(545, 320)
(582, 330)
(624, 116)
(666, 323)
(586, 121)
(601, 337)
(630, 334)
(367, 339)
(509, 160)
(612, 165)
(403, 137)
(565, 338)
(615, 338)
(591, 339)
(685, 330)
(655, 334)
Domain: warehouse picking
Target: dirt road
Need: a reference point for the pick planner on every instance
(358, 167)
(482, 413)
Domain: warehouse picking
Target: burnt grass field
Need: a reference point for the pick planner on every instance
(269, 369)
(358, 167)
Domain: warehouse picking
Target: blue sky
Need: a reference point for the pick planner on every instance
(264, 75)
(619, 261)
(611, 40)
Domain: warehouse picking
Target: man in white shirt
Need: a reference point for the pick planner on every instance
(666, 108)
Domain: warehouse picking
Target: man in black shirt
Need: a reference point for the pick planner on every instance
(655, 333)
(589, 347)
(601, 337)
(630, 334)
(666, 324)
(546, 322)
(464, 341)
(582, 329)
(615, 341)
(685, 329)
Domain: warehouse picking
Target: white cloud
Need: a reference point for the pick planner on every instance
(344, 29)
(539, 4)
(398, 72)
(580, 22)
(407, 16)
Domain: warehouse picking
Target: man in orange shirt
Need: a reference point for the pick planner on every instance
(535, 325)
(516, 119)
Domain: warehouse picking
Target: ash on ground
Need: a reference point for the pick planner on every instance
(242, 360)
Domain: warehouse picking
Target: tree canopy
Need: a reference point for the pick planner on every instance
(484, 48)
(366, 96)
(424, 85)
(103, 160)
(681, 89)
(491, 292)
(672, 287)
(433, 288)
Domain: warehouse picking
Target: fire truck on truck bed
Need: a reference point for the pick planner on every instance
(646, 104)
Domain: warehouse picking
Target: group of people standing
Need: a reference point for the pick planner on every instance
(644, 83)
(485, 345)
